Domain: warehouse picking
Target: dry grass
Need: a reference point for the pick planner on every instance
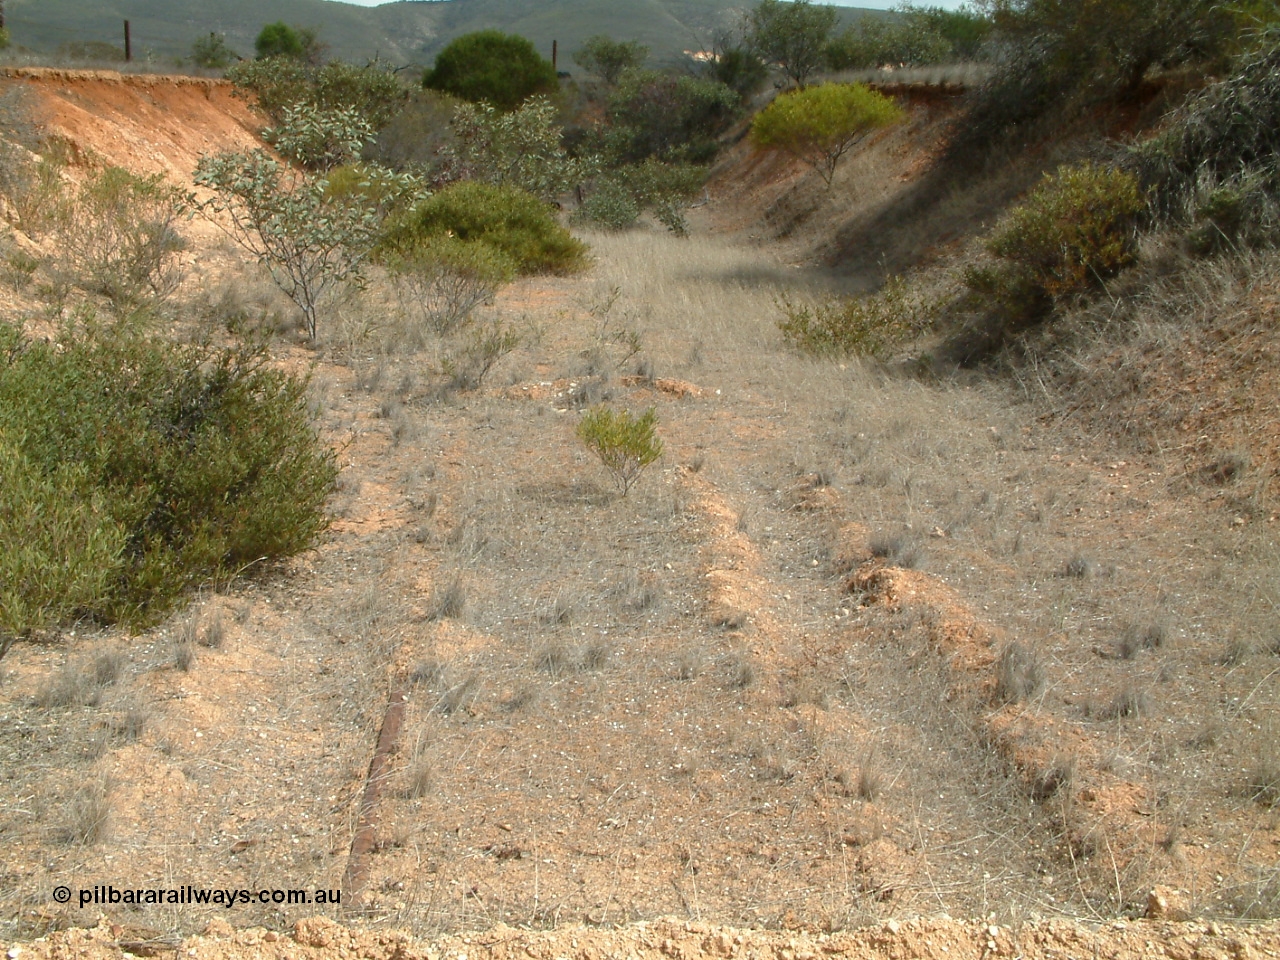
(668, 705)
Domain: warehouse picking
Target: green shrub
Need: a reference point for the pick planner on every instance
(372, 90)
(274, 84)
(617, 197)
(868, 326)
(513, 223)
(741, 71)
(62, 549)
(625, 444)
(609, 204)
(1216, 164)
(491, 67)
(135, 469)
(277, 83)
(1077, 228)
(819, 125)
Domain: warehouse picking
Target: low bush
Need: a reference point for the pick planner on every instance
(624, 443)
(869, 326)
(33, 185)
(118, 237)
(134, 469)
(1076, 229)
(1214, 167)
(475, 355)
(509, 221)
(1019, 674)
(212, 52)
(442, 281)
(618, 197)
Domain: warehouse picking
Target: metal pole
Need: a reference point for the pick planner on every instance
(554, 45)
(128, 44)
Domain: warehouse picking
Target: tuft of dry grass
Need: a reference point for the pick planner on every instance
(83, 684)
(87, 815)
(212, 632)
(1019, 674)
(740, 671)
(1137, 637)
(1129, 702)
(448, 600)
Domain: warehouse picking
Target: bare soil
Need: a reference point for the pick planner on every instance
(751, 709)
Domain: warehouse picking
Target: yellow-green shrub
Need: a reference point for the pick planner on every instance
(512, 222)
(867, 326)
(624, 443)
(1076, 229)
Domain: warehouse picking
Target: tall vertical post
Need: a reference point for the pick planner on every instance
(554, 45)
(128, 44)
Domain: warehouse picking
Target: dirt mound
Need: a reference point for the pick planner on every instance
(921, 939)
(146, 123)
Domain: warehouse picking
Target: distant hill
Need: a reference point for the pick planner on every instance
(409, 32)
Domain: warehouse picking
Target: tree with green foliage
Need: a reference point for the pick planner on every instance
(281, 40)
(792, 34)
(492, 67)
(522, 148)
(212, 52)
(674, 118)
(741, 71)
(911, 35)
(819, 125)
(1108, 46)
(609, 59)
(312, 239)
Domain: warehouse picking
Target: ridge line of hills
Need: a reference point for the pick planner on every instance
(407, 32)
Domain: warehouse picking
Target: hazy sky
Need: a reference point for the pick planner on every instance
(878, 4)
